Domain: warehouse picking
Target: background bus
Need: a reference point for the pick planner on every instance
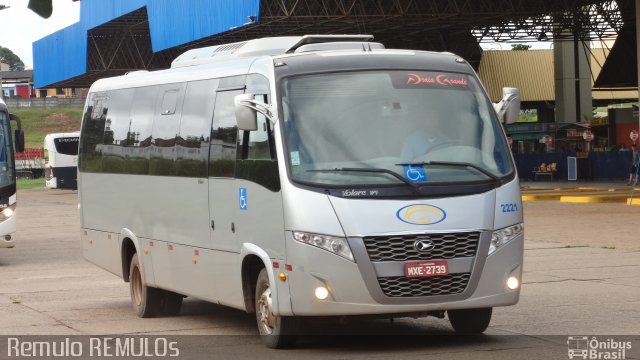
(8, 198)
(61, 160)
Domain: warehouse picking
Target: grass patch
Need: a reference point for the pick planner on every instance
(37, 123)
(27, 184)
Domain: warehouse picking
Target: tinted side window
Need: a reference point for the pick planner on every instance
(117, 131)
(192, 144)
(93, 127)
(139, 144)
(166, 125)
(67, 146)
(224, 134)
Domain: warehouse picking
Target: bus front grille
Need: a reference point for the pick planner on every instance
(403, 247)
(424, 286)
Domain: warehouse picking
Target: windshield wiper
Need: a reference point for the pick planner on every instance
(415, 186)
(456, 164)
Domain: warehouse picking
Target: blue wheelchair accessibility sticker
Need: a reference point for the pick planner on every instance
(243, 199)
(415, 173)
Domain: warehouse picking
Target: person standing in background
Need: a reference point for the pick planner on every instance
(634, 164)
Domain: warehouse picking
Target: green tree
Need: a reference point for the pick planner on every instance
(8, 57)
(520, 47)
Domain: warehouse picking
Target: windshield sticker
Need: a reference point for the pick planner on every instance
(295, 158)
(440, 79)
(415, 173)
(430, 81)
(421, 214)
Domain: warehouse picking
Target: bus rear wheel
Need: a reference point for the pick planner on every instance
(277, 332)
(146, 300)
(470, 321)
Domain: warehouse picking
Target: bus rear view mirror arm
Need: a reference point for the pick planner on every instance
(508, 108)
(247, 109)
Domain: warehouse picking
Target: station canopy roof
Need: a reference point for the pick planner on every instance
(117, 36)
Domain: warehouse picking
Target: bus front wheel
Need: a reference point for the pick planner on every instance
(470, 321)
(146, 300)
(276, 331)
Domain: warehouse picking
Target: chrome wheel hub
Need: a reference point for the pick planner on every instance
(266, 319)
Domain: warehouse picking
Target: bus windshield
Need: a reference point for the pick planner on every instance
(7, 171)
(389, 127)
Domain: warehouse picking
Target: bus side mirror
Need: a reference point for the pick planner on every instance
(19, 143)
(18, 133)
(508, 108)
(246, 114)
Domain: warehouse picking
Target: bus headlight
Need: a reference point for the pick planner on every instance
(7, 212)
(336, 245)
(503, 236)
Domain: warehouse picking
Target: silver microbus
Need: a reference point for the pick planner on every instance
(304, 176)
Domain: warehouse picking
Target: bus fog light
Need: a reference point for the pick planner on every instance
(513, 283)
(322, 293)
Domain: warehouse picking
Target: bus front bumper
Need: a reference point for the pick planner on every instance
(8, 232)
(350, 294)
(8, 240)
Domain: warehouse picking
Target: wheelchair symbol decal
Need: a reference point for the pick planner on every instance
(415, 173)
(243, 199)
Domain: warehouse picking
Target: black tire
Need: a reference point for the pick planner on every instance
(146, 300)
(171, 303)
(470, 321)
(277, 332)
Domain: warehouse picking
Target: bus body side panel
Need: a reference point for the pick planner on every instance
(508, 209)
(260, 223)
(206, 274)
(103, 249)
(152, 209)
(224, 279)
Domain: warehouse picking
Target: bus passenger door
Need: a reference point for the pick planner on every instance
(223, 199)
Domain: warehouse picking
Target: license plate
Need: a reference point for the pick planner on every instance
(426, 268)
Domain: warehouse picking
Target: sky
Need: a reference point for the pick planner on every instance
(21, 26)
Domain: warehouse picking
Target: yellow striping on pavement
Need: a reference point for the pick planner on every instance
(540, 197)
(594, 199)
(583, 195)
(572, 190)
(634, 201)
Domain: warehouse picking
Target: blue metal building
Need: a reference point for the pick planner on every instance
(64, 55)
(116, 36)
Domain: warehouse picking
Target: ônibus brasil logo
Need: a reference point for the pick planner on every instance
(582, 347)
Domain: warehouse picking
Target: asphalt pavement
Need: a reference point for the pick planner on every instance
(572, 285)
